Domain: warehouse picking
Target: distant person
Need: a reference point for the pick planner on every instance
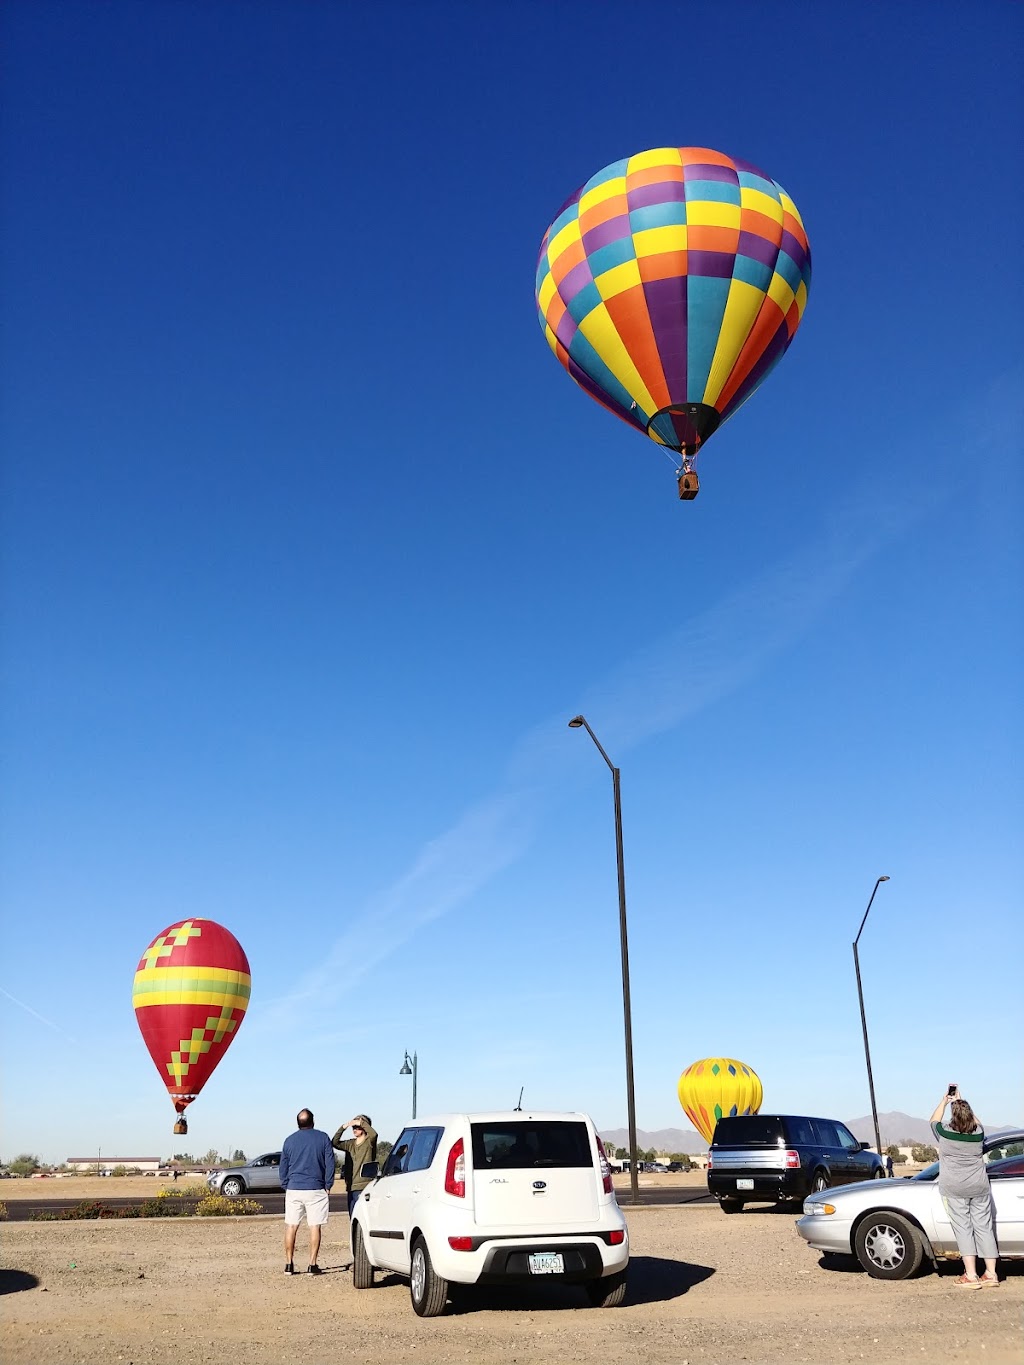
(888, 1164)
(307, 1174)
(963, 1184)
(359, 1148)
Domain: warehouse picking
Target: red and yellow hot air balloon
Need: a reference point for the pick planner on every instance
(669, 286)
(190, 995)
(715, 1086)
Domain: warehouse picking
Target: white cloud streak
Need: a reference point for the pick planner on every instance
(705, 659)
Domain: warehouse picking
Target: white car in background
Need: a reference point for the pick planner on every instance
(496, 1198)
(892, 1225)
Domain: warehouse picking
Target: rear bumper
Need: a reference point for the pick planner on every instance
(506, 1260)
(766, 1184)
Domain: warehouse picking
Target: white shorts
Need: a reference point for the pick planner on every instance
(313, 1203)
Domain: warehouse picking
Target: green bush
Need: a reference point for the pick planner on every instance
(119, 1171)
(923, 1153)
(215, 1205)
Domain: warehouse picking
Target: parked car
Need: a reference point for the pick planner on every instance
(493, 1198)
(758, 1157)
(891, 1227)
(674, 1167)
(262, 1173)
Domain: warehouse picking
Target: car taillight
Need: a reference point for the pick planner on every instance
(616, 1238)
(460, 1243)
(455, 1174)
(606, 1170)
(711, 1161)
(792, 1160)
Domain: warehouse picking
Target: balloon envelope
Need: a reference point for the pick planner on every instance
(670, 285)
(190, 995)
(716, 1086)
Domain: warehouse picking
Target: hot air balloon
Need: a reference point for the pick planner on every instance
(669, 286)
(190, 995)
(716, 1086)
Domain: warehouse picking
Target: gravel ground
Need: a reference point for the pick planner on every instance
(703, 1288)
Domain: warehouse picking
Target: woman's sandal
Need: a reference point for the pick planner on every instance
(965, 1282)
(989, 1281)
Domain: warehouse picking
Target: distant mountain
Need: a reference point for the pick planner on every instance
(895, 1127)
(662, 1140)
(904, 1130)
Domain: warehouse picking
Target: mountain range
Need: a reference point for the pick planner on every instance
(895, 1127)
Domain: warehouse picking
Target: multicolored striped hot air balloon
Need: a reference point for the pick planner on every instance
(669, 286)
(190, 995)
(716, 1086)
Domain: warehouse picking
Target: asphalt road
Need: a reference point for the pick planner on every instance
(21, 1210)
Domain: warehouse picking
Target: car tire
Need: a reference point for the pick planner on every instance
(608, 1292)
(820, 1182)
(428, 1290)
(233, 1186)
(888, 1246)
(730, 1205)
(362, 1270)
(880, 1174)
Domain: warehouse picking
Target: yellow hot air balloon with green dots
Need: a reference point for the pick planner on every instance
(717, 1086)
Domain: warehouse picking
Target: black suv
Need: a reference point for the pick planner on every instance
(759, 1157)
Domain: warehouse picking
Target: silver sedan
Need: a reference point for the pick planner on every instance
(892, 1225)
(263, 1173)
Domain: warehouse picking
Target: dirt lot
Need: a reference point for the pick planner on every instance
(703, 1288)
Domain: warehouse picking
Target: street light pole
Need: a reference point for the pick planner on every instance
(863, 1017)
(575, 724)
(410, 1067)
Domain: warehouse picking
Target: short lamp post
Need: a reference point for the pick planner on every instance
(863, 1017)
(575, 724)
(409, 1068)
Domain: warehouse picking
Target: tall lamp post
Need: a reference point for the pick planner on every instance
(409, 1068)
(575, 724)
(863, 1017)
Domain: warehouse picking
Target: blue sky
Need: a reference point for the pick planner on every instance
(311, 550)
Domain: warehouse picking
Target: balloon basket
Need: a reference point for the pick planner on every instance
(689, 485)
(181, 1127)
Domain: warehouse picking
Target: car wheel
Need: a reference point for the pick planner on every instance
(608, 1292)
(880, 1174)
(362, 1270)
(731, 1205)
(429, 1292)
(820, 1182)
(233, 1186)
(888, 1246)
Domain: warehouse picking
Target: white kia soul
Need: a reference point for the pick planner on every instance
(493, 1199)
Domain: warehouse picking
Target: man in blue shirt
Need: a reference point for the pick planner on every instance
(307, 1174)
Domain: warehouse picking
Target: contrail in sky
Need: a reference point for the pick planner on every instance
(716, 652)
(36, 1015)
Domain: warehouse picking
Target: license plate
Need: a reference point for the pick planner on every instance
(744, 1184)
(546, 1263)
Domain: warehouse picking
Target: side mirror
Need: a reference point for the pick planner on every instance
(866, 1147)
(369, 1170)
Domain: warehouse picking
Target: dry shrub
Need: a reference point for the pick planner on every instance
(218, 1204)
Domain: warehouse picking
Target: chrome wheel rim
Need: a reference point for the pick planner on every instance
(419, 1274)
(885, 1247)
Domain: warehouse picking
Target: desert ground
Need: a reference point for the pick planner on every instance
(704, 1289)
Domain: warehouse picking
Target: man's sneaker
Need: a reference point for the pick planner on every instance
(313, 1270)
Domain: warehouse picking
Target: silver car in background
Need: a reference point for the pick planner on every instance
(892, 1225)
(262, 1173)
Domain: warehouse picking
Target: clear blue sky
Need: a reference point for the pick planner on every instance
(311, 549)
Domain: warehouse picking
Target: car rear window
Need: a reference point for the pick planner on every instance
(526, 1144)
(749, 1130)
